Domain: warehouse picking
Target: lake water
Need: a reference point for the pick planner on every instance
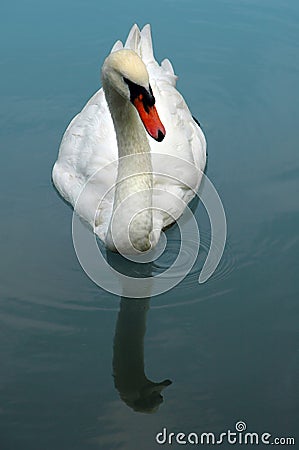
(222, 352)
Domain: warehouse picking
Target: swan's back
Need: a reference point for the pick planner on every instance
(89, 144)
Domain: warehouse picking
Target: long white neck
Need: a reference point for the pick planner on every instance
(131, 222)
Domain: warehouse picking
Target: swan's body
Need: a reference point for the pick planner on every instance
(109, 128)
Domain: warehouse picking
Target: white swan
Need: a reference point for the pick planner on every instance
(137, 95)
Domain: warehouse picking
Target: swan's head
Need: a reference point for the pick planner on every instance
(125, 72)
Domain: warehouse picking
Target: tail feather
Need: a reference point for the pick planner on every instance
(138, 41)
(167, 66)
(133, 39)
(117, 46)
(146, 47)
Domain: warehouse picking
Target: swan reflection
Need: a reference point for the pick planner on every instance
(134, 387)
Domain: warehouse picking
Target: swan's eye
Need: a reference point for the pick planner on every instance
(136, 91)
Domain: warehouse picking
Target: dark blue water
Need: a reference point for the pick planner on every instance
(201, 357)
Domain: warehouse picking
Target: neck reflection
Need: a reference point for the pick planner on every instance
(134, 387)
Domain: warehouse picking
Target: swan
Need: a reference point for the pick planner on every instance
(124, 159)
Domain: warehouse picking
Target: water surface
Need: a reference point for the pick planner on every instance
(201, 357)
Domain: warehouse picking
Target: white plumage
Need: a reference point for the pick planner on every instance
(89, 145)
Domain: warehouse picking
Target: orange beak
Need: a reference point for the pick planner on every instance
(150, 119)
